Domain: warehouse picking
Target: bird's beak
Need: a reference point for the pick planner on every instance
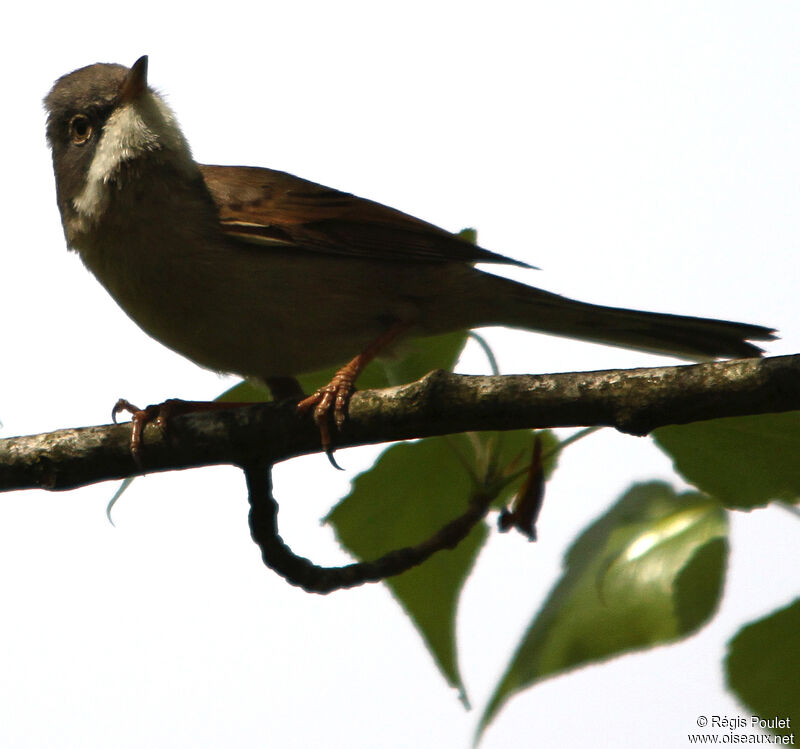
(135, 83)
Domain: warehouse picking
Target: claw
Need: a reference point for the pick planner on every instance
(332, 460)
(140, 418)
(335, 396)
(123, 405)
(160, 414)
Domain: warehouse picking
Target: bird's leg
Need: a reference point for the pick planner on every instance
(284, 388)
(160, 414)
(141, 417)
(335, 396)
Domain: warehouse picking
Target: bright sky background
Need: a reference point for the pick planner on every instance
(642, 154)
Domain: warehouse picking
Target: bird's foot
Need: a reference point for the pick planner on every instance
(331, 401)
(160, 415)
(157, 414)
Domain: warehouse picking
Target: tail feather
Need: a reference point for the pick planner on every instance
(655, 332)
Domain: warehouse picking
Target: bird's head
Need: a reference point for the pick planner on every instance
(103, 120)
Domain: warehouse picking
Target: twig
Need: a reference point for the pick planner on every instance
(312, 578)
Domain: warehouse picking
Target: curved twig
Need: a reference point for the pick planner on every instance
(302, 572)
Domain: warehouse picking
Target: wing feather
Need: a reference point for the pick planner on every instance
(276, 209)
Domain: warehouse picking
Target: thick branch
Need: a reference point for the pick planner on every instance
(633, 401)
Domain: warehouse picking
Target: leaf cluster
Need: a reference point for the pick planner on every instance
(649, 571)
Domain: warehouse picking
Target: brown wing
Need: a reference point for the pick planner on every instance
(272, 208)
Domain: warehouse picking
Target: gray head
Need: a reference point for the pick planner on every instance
(101, 119)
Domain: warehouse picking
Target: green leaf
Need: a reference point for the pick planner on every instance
(499, 456)
(697, 585)
(743, 461)
(387, 509)
(411, 492)
(469, 234)
(245, 392)
(422, 355)
(763, 668)
(647, 572)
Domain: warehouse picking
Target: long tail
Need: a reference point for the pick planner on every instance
(527, 307)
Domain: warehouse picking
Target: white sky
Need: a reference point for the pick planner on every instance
(642, 154)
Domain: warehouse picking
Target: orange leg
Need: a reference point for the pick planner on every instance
(336, 394)
(159, 414)
(335, 397)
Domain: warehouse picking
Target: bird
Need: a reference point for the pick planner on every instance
(256, 272)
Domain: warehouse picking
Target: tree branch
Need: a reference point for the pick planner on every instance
(633, 401)
(314, 578)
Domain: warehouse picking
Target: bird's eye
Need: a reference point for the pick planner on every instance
(80, 129)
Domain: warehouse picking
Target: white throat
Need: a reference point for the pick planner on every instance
(144, 127)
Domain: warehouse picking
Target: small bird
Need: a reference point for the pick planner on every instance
(256, 272)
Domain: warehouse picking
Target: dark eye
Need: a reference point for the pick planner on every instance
(80, 129)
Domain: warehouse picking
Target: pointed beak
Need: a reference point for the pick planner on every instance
(135, 83)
